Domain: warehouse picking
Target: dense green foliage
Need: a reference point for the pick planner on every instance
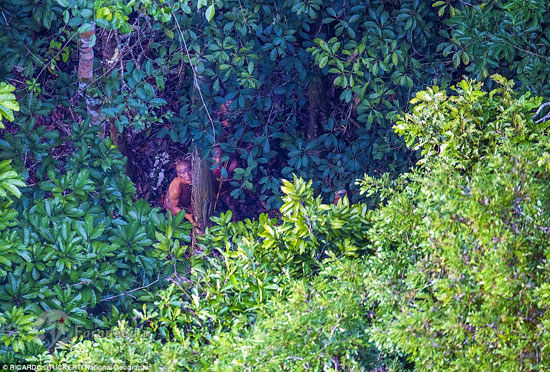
(442, 264)
(313, 87)
(460, 278)
(244, 272)
(244, 266)
(241, 266)
(76, 242)
(511, 37)
(320, 325)
(123, 346)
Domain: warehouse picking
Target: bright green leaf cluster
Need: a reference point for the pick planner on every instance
(8, 104)
(459, 280)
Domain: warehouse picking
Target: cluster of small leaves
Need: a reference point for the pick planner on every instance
(17, 330)
(218, 288)
(310, 230)
(9, 180)
(319, 326)
(133, 101)
(121, 347)
(467, 126)
(504, 36)
(8, 104)
(459, 279)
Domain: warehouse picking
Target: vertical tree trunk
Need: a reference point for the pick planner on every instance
(86, 58)
(202, 192)
(317, 106)
(121, 142)
(86, 73)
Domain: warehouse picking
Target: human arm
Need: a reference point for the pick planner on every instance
(173, 197)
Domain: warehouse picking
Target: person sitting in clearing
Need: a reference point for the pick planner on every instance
(179, 193)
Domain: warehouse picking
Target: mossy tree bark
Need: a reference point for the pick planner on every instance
(202, 192)
(86, 57)
(317, 106)
(121, 142)
(86, 72)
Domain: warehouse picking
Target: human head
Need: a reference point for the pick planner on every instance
(184, 170)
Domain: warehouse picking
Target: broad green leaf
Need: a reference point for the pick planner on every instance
(210, 11)
(8, 104)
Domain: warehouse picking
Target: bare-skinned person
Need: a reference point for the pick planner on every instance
(178, 196)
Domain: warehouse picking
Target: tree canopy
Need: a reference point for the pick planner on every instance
(366, 184)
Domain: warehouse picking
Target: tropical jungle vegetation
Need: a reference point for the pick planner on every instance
(364, 185)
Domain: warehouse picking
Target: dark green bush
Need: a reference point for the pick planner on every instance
(509, 37)
(312, 87)
(77, 243)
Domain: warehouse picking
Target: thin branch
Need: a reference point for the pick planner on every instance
(5, 19)
(130, 291)
(527, 51)
(544, 118)
(195, 75)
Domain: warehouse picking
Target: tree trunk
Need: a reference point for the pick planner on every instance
(121, 142)
(202, 192)
(86, 73)
(317, 106)
(86, 58)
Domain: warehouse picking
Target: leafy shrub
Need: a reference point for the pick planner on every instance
(16, 328)
(459, 280)
(465, 127)
(244, 266)
(320, 325)
(307, 232)
(121, 347)
(77, 243)
(509, 37)
(8, 104)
